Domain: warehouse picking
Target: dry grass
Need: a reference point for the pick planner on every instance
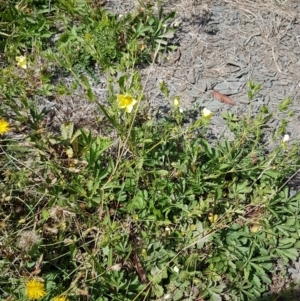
(283, 8)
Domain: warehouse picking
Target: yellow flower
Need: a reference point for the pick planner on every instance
(22, 61)
(4, 126)
(206, 113)
(35, 289)
(255, 228)
(212, 217)
(126, 101)
(60, 298)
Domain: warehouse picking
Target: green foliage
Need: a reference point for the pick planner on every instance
(145, 209)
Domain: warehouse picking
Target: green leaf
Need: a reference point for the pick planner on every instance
(104, 111)
(209, 151)
(284, 105)
(162, 172)
(177, 295)
(256, 281)
(261, 259)
(158, 290)
(138, 201)
(272, 173)
(170, 16)
(247, 272)
(286, 242)
(287, 254)
(156, 275)
(90, 94)
(282, 230)
(266, 279)
(45, 214)
(214, 296)
(225, 166)
(258, 268)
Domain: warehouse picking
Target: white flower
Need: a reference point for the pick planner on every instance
(206, 113)
(176, 102)
(175, 269)
(286, 138)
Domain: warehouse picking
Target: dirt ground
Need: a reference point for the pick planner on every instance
(222, 45)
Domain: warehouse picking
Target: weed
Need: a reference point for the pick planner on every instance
(145, 209)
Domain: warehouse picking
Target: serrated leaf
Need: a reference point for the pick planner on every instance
(214, 296)
(158, 290)
(157, 275)
(286, 242)
(247, 272)
(177, 295)
(282, 230)
(287, 254)
(266, 279)
(256, 281)
(261, 259)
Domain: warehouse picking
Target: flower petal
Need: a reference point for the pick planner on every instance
(126, 101)
(21, 61)
(206, 113)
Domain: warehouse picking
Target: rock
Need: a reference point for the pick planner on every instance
(194, 92)
(191, 76)
(235, 16)
(217, 120)
(281, 82)
(210, 83)
(268, 73)
(181, 87)
(243, 99)
(259, 100)
(201, 86)
(228, 88)
(267, 84)
(240, 65)
(213, 105)
(242, 58)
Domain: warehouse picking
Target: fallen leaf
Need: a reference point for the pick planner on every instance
(223, 98)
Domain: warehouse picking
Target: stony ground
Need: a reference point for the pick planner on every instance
(222, 45)
(225, 43)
